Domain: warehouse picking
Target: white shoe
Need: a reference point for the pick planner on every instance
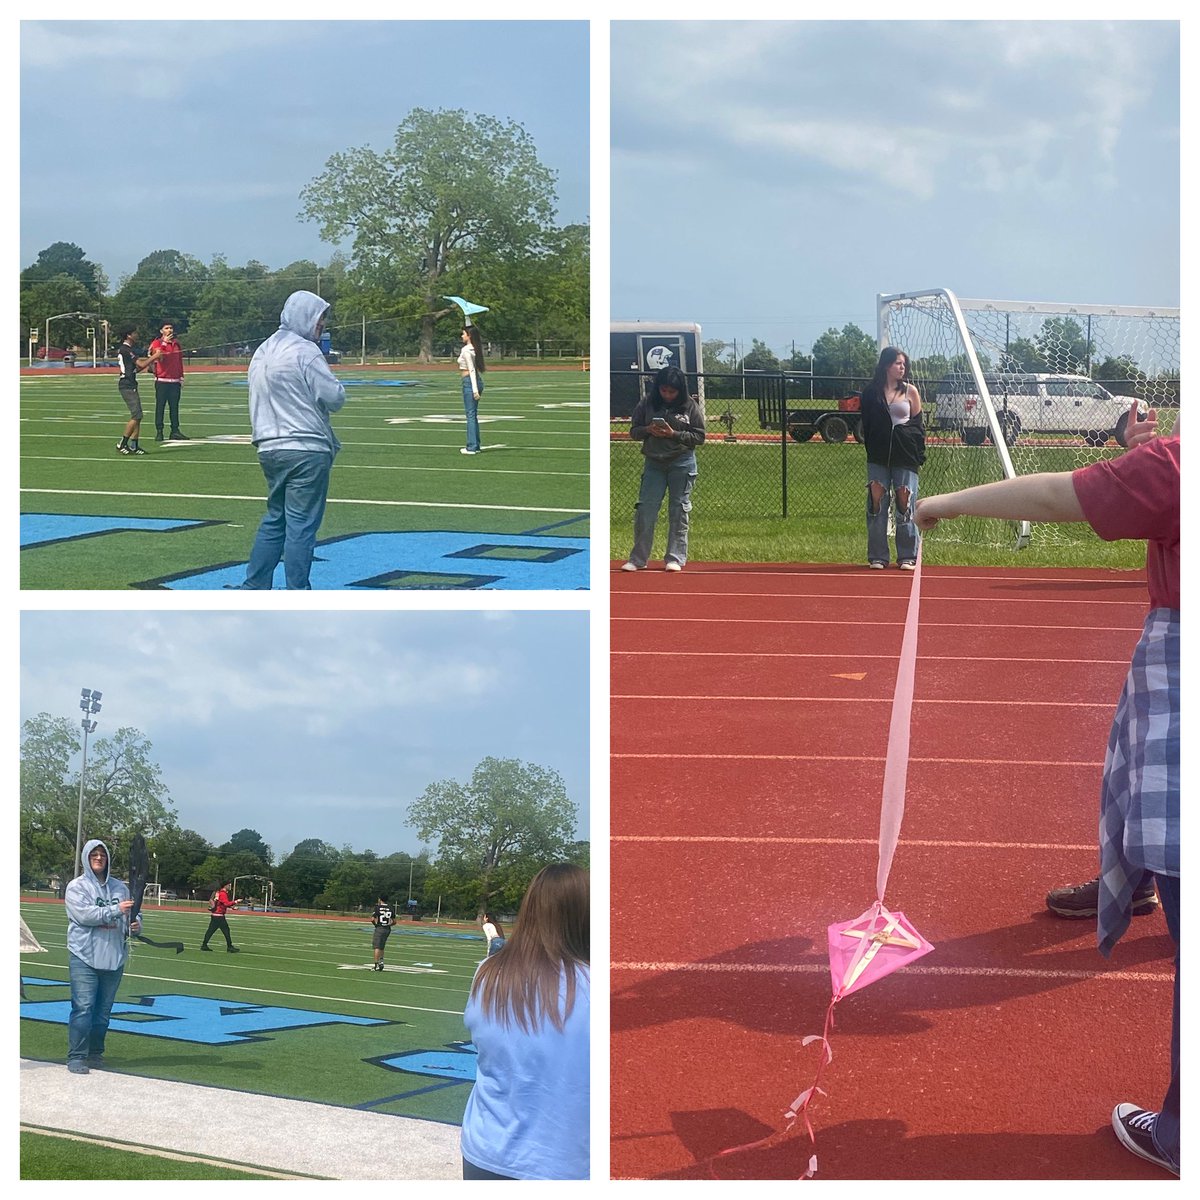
(907, 565)
(877, 566)
(464, 450)
(673, 566)
(632, 567)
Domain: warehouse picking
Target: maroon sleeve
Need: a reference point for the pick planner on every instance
(1134, 496)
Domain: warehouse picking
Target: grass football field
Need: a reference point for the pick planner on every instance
(296, 1014)
(406, 509)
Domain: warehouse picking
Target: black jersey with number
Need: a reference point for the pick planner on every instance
(383, 915)
(127, 357)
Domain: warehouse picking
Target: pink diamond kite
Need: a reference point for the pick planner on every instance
(870, 947)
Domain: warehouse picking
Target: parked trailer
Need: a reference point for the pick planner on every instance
(835, 421)
(640, 349)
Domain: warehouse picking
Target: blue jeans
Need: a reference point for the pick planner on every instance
(297, 484)
(496, 945)
(891, 479)
(471, 408)
(677, 477)
(92, 996)
(1166, 1127)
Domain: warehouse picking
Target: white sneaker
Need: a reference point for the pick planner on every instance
(908, 565)
(464, 450)
(673, 566)
(878, 566)
(632, 567)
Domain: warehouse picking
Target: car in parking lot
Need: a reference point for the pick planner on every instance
(1032, 403)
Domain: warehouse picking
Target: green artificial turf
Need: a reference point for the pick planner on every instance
(44, 1156)
(288, 963)
(400, 469)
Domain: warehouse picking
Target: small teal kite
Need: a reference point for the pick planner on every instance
(468, 309)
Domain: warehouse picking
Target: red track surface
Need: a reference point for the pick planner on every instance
(746, 780)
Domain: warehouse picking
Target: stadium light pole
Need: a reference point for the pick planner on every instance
(89, 702)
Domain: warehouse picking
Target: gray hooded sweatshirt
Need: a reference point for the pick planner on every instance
(95, 925)
(292, 389)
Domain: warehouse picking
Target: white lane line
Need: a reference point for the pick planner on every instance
(1105, 704)
(674, 596)
(937, 844)
(263, 500)
(824, 623)
(970, 972)
(678, 756)
(857, 655)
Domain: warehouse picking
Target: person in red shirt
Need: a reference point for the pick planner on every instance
(218, 906)
(1135, 496)
(168, 382)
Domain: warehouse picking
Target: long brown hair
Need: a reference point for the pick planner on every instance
(552, 934)
(477, 345)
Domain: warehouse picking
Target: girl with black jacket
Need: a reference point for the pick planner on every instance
(894, 433)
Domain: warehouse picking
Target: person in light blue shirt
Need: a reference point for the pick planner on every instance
(292, 393)
(528, 1115)
(97, 948)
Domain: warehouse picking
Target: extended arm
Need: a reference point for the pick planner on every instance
(1043, 497)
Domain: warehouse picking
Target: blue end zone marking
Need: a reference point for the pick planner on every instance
(32, 981)
(197, 1019)
(456, 1062)
(421, 1091)
(43, 529)
(432, 559)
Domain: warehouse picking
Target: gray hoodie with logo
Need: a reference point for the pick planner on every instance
(95, 923)
(292, 389)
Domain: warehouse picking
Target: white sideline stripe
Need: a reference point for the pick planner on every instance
(935, 573)
(971, 972)
(263, 500)
(927, 843)
(253, 465)
(157, 1152)
(677, 620)
(983, 762)
(873, 700)
(264, 991)
(673, 594)
(856, 655)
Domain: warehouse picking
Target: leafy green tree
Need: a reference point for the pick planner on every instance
(451, 189)
(351, 885)
(1062, 344)
(392, 875)
(177, 853)
(1021, 354)
(850, 355)
(123, 794)
(50, 298)
(250, 842)
(210, 874)
(165, 287)
(760, 358)
(497, 831)
(304, 872)
(66, 258)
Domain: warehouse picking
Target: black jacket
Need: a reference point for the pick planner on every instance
(891, 445)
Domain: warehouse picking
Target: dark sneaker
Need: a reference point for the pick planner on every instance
(209, 949)
(232, 950)
(158, 435)
(136, 450)
(176, 436)
(121, 449)
(95, 1062)
(1083, 899)
(77, 1066)
(1134, 1128)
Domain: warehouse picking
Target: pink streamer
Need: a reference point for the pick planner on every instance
(895, 772)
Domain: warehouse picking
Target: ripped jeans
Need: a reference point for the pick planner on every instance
(893, 480)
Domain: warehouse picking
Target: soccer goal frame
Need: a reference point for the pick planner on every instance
(1027, 359)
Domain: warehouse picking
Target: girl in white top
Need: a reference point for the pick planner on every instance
(472, 367)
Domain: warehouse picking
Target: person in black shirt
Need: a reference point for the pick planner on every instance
(127, 385)
(383, 918)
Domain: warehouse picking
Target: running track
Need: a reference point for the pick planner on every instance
(750, 710)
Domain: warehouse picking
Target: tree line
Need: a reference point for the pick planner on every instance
(494, 832)
(458, 205)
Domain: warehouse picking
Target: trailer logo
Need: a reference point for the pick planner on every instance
(658, 357)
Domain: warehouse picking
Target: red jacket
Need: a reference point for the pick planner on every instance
(169, 368)
(220, 902)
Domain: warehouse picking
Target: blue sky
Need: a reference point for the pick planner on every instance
(208, 130)
(320, 724)
(769, 179)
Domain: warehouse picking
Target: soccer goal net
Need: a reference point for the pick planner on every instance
(1013, 388)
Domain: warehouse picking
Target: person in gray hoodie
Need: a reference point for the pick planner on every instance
(97, 948)
(292, 393)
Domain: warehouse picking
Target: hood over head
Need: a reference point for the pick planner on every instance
(301, 312)
(88, 847)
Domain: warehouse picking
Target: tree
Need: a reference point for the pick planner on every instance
(123, 794)
(177, 853)
(51, 298)
(850, 355)
(453, 190)
(1062, 344)
(304, 872)
(66, 258)
(351, 885)
(497, 831)
(760, 358)
(249, 841)
(165, 287)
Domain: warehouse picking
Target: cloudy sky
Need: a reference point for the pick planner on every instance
(321, 724)
(769, 179)
(199, 135)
